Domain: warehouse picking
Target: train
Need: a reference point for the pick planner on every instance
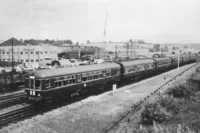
(64, 83)
(11, 80)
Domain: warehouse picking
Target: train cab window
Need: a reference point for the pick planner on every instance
(48, 83)
(84, 77)
(37, 84)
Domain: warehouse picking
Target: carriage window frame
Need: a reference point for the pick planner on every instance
(108, 72)
(89, 76)
(78, 77)
(100, 74)
(49, 84)
(104, 73)
(84, 75)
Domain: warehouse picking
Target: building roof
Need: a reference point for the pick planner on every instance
(15, 42)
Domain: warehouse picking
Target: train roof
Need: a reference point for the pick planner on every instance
(136, 62)
(162, 59)
(45, 73)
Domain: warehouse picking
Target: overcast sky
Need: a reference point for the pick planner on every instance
(163, 21)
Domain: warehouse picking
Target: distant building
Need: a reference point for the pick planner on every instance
(25, 53)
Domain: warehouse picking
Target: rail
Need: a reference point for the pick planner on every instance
(16, 114)
(12, 99)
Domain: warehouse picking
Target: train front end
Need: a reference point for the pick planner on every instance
(33, 89)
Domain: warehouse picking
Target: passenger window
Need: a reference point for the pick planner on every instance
(108, 73)
(78, 78)
(72, 81)
(104, 73)
(89, 76)
(48, 83)
(64, 82)
(84, 77)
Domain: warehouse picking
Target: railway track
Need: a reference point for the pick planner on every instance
(16, 112)
(129, 115)
(9, 100)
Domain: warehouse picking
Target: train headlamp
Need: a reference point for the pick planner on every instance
(33, 93)
(32, 77)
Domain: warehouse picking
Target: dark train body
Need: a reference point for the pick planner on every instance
(10, 81)
(64, 83)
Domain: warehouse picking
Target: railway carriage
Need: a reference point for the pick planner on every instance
(6, 83)
(163, 64)
(136, 69)
(185, 59)
(64, 83)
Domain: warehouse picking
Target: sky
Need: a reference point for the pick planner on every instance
(162, 21)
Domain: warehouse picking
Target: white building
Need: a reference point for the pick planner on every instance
(25, 53)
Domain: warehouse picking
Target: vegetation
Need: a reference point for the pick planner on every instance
(46, 41)
(176, 112)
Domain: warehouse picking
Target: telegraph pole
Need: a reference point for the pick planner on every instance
(116, 54)
(134, 50)
(12, 57)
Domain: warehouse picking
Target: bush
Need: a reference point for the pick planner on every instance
(181, 91)
(154, 112)
(170, 105)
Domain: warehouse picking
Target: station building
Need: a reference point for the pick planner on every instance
(25, 53)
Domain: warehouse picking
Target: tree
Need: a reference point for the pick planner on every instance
(185, 46)
(88, 42)
(47, 41)
(31, 41)
(77, 44)
(68, 41)
(157, 47)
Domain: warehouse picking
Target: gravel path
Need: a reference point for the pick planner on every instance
(93, 114)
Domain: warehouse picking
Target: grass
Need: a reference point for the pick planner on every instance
(178, 112)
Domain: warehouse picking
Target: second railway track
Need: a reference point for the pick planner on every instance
(11, 99)
(16, 112)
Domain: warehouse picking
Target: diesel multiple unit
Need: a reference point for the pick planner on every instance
(64, 83)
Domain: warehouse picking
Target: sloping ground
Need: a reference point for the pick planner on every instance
(95, 113)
